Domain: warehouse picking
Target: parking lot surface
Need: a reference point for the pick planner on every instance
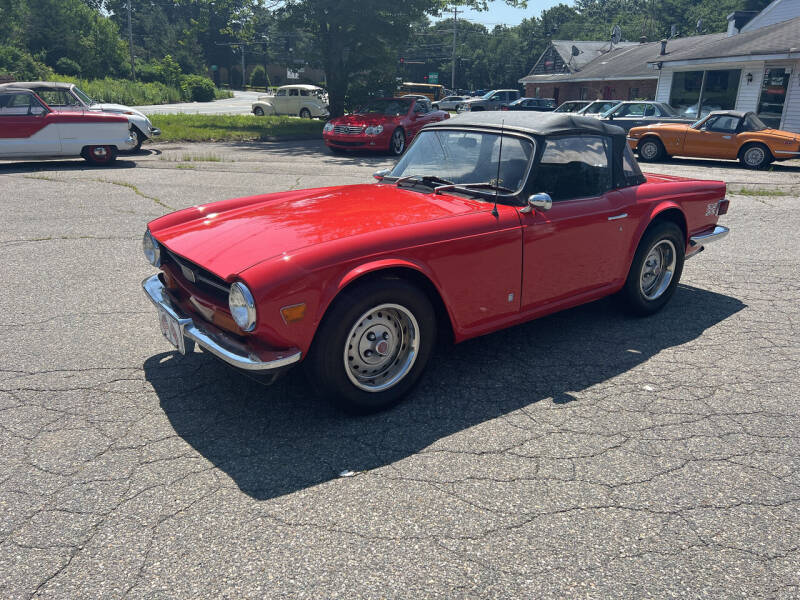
(584, 455)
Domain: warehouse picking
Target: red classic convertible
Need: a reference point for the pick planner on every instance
(489, 220)
(386, 124)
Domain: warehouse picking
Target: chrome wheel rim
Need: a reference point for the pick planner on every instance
(649, 150)
(381, 347)
(754, 156)
(398, 142)
(305, 113)
(135, 137)
(657, 270)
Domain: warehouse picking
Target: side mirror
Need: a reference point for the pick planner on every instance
(611, 117)
(542, 201)
(379, 175)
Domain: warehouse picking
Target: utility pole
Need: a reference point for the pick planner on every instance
(130, 41)
(453, 66)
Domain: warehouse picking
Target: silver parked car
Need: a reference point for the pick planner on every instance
(637, 113)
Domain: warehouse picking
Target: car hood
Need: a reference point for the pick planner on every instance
(117, 108)
(363, 119)
(230, 236)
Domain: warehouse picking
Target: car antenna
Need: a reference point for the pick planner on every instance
(497, 181)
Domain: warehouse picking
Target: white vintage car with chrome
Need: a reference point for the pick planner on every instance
(68, 96)
(29, 128)
(302, 100)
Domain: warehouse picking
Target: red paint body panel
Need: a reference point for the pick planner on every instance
(24, 126)
(491, 272)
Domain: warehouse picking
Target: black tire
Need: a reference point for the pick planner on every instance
(138, 137)
(649, 287)
(92, 155)
(258, 111)
(305, 114)
(435, 106)
(397, 145)
(755, 156)
(651, 150)
(366, 315)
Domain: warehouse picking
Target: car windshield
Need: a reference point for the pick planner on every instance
(386, 106)
(600, 107)
(570, 107)
(86, 99)
(467, 157)
(487, 95)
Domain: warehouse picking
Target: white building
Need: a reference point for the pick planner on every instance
(755, 68)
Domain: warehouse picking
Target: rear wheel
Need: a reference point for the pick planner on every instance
(651, 149)
(755, 156)
(305, 113)
(100, 155)
(373, 345)
(656, 269)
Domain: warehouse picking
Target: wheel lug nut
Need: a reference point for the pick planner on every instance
(386, 335)
(367, 352)
(371, 336)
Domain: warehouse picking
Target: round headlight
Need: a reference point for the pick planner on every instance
(243, 307)
(152, 252)
(328, 127)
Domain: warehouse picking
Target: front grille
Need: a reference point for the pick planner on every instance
(204, 280)
(348, 129)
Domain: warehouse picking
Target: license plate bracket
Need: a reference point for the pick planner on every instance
(172, 330)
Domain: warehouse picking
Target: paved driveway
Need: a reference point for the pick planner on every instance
(240, 104)
(584, 455)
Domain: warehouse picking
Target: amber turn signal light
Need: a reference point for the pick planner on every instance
(292, 313)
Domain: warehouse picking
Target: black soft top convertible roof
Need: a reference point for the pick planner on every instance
(533, 123)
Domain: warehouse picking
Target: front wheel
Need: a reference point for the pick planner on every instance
(138, 138)
(651, 149)
(656, 269)
(258, 111)
(373, 345)
(100, 155)
(398, 142)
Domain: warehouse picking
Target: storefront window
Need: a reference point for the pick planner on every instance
(697, 93)
(773, 96)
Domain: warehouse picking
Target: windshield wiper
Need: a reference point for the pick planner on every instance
(429, 180)
(476, 187)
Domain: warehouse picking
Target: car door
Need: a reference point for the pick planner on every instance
(581, 243)
(280, 101)
(27, 127)
(716, 138)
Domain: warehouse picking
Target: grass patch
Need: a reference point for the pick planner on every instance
(760, 192)
(207, 157)
(184, 166)
(233, 128)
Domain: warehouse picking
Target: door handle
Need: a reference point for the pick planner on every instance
(615, 217)
(726, 137)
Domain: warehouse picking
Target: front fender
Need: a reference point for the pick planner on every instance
(265, 106)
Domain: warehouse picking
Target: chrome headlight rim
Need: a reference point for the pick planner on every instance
(242, 306)
(151, 249)
(328, 127)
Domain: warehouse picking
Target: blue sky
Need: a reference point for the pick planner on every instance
(500, 13)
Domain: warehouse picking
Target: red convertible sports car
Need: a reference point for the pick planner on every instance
(387, 124)
(489, 220)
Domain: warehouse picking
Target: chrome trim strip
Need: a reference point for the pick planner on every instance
(787, 152)
(718, 233)
(614, 218)
(218, 344)
(227, 290)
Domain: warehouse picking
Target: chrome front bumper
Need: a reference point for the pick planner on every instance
(697, 242)
(216, 341)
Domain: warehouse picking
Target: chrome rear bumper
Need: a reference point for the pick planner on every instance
(216, 341)
(697, 242)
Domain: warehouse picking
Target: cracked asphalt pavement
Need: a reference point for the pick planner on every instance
(584, 455)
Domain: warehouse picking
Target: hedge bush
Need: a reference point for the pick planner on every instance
(196, 88)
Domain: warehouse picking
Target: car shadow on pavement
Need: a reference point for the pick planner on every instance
(317, 148)
(277, 440)
(30, 167)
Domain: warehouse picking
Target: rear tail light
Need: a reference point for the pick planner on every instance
(503, 108)
(722, 208)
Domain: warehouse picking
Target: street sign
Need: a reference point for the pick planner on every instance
(433, 77)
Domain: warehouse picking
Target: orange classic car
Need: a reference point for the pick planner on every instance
(722, 134)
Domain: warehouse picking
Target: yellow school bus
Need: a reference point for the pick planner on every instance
(431, 90)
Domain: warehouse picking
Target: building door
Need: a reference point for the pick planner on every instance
(773, 96)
